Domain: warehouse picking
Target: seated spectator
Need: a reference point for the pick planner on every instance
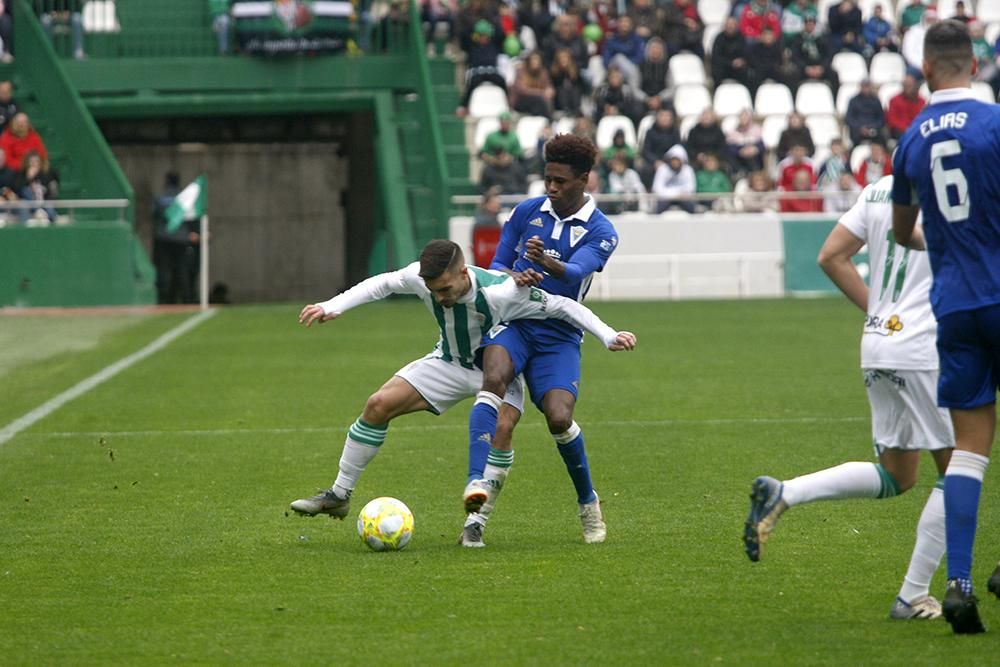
(504, 173)
(797, 132)
(482, 46)
(730, 54)
(683, 27)
(486, 229)
(811, 54)
(654, 68)
(568, 82)
(504, 137)
(674, 178)
(218, 11)
(8, 107)
(647, 18)
(961, 14)
(615, 97)
(66, 12)
(705, 138)
(769, 60)
(35, 182)
(878, 34)
(710, 178)
(438, 19)
(987, 56)
(565, 35)
(758, 14)
(624, 182)
(19, 139)
(834, 166)
(390, 30)
(532, 92)
(797, 161)
(793, 19)
(624, 49)
(801, 183)
(875, 166)
(865, 119)
(840, 195)
(912, 15)
(904, 107)
(845, 25)
(661, 136)
(7, 193)
(746, 144)
(488, 211)
(913, 41)
(619, 149)
(583, 126)
(759, 197)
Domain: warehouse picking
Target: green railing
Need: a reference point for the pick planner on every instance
(172, 28)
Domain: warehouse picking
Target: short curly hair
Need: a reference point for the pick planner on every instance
(573, 150)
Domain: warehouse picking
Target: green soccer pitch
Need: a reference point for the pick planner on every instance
(145, 522)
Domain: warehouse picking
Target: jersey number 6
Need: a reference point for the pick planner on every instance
(944, 177)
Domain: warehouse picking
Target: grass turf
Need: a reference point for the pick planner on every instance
(145, 522)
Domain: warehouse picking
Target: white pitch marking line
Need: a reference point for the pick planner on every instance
(103, 375)
(438, 427)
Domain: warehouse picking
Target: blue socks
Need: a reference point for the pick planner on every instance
(571, 449)
(963, 482)
(482, 429)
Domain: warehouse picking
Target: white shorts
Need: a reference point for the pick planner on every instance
(443, 383)
(905, 414)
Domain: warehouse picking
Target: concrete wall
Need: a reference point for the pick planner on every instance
(684, 257)
(276, 211)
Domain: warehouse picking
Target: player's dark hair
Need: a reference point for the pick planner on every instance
(948, 47)
(438, 257)
(579, 153)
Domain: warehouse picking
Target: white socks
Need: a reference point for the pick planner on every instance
(848, 480)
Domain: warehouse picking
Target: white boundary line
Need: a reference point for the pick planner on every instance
(108, 372)
(438, 427)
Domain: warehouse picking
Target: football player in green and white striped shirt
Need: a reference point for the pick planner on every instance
(466, 301)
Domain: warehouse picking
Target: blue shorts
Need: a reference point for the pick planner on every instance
(968, 345)
(547, 364)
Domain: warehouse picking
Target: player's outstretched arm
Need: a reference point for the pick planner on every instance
(835, 260)
(577, 314)
(404, 281)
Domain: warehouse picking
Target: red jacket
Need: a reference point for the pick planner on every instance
(15, 148)
(787, 169)
(752, 24)
(902, 111)
(870, 171)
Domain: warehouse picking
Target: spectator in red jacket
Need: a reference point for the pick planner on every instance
(796, 161)
(801, 182)
(756, 15)
(19, 139)
(875, 166)
(904, 107)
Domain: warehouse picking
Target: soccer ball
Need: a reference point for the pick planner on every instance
(385, 524)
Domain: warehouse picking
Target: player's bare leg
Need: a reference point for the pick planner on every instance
(395, 398)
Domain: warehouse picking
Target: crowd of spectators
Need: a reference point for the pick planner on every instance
(25, 173)
(578, 63)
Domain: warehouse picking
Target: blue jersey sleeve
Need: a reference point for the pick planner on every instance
(902, 188)
(510, 241)
(592, 257)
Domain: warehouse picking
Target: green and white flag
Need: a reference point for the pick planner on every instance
(189, 204)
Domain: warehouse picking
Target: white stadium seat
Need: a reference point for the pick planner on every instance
(993, 30)
(712, 31)
(845, 94)
(487, 100)
(823, 128)
(691, 99)
(609, 125)
(850, 67)
(814, 97)
(983, 91)
(100, 16)
(886, 66)
(686, 68)
(771, 130)
(859, 155)
(686, 124)
(731, 98)
(484, 126)
(773, 99)
(729, 123)
(889, 91)
(644, 125)
(714, 12)
(528, 130)
(988, 12)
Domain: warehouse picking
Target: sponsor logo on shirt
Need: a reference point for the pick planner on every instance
(881, 326)
(575, 234)
(537, 222)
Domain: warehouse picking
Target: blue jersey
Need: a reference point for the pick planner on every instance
(948, 161)
(583, 242)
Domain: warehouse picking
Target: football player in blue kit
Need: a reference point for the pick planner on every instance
(948, 166)
(556, 242)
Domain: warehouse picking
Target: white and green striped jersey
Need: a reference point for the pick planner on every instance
(900, 331)
(492, 299)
